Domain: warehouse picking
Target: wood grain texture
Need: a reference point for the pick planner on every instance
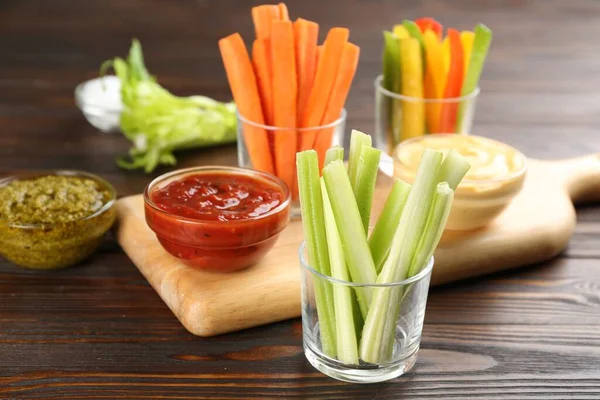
(99, 331)
(536, 226)
(208, 304)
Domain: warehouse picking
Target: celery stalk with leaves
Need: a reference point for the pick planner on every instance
(158, 122)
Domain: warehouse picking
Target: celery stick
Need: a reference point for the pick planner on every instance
(380, 240)
(350, 228)
(392, 81)
(357, 141)
(391, 62)
(481, 46)
(311, 205)
(453, 169)
(364, 186)
(334, 153)
(359, 320)
(347, 349)
(413, 218)
(436, 221)
(405, 242)
(434, 228)
(337, 153)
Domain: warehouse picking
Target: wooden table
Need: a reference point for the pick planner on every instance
(99, 330)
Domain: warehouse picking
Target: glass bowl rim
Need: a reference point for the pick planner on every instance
(62, 172)
(415, 278)
(220, 168)
(333, 124)
(380, 88)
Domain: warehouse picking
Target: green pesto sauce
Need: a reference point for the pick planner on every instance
(51, 199)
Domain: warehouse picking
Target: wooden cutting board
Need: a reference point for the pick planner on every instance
(535, 227)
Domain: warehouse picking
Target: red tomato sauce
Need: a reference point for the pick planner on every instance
(217, 197)
(222, 221)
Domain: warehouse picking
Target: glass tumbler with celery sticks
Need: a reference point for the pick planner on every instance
(290, 92)
(364, 290)
(430, 83)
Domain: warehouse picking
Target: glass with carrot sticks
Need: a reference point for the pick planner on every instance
(430, 83)
(319, 138)
(289, 91)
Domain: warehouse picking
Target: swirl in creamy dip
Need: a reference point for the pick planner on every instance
(490, 160)
(497, 174)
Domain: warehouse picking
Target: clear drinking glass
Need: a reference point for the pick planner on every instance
(320, 138)
(399, 117)
(400, 337)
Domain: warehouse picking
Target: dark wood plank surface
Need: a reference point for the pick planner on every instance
(100, 331)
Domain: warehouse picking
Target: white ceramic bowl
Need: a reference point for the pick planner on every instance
(100, 102)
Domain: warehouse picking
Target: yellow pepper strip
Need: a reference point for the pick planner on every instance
(435, 79)
(401, 32)
(446, 54)
(413, 112)
(467, 38)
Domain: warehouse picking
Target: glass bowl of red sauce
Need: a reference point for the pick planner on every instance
(217, 218)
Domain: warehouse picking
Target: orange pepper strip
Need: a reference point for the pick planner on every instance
(454, 84)
(430, 24)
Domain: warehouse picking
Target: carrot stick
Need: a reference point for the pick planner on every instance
(454, 84)
(261, 60)
(263, 16)
(283, 12)
(242, 82)
(306, 33)
(283, 67)
(430, 24)
(327, 68)
(320, 50)
(318, 60)
(339, 93)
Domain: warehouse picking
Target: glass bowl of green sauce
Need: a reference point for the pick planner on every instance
(54, 219)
